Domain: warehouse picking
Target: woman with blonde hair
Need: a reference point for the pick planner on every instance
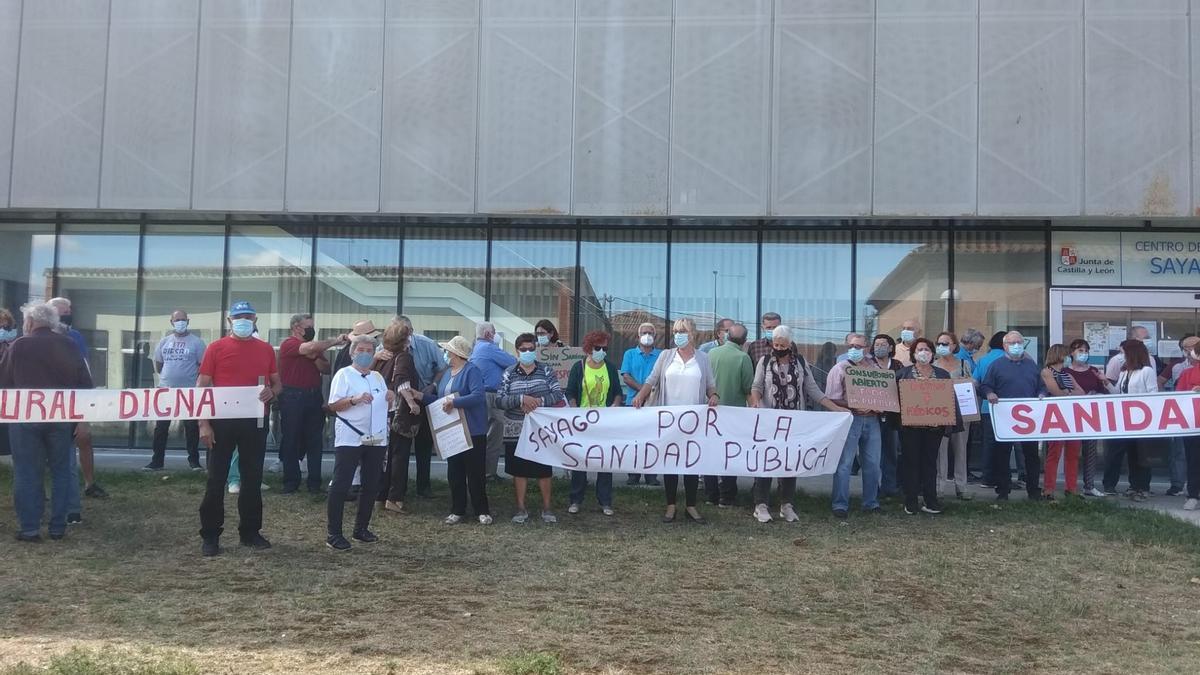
(682, 375)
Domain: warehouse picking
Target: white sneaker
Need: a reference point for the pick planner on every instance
(1094, 492)
(1191, 505)
(521, 518)
(573, 509)
(549, 518)
(485, 519)
(607, 510)
(762, 514)
(264, 487)
(235, 488)
(452, 519)
(276, 467)
(788, 513)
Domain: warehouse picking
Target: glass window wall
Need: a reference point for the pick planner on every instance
(901, 275)
(806, 279)
(533, 278)
(1000, 284)
(269, 267)
(26, 264)
(357, 275)
(714, 275)
(623, 284)
(445, 272)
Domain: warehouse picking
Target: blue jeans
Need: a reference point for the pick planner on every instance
(34, 448)
(889, 454)
(865, 442)
(603, 487)
(75, 493)
(1177, 463)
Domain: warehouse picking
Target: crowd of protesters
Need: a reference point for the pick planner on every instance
(381, 381)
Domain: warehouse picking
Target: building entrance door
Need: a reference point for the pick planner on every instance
(1106, 317)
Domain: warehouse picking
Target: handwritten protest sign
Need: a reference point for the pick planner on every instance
(968, 402)
(872, 389)
(560, 360)
(692, 440)
(449, 430)
(127, 405)
(927, 403)
(1079, 417)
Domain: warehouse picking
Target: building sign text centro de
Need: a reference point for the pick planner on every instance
(1166, 259)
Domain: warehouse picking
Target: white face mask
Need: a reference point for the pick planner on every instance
(646, 340)
(923, 357)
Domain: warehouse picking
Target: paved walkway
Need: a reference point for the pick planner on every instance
(177, 460)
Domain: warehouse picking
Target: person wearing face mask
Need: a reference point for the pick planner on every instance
(1176, 454)
(883, 348)
(491, 360)
(945, 357)
(782, 381)
(395, 363)
(461, 386)
(301, 408)
(863, 443)
(1137, 376)
(910, 330)
(763, 345)
(359, 398)
(546, 335)
(1014, 376)
(83, 461)
(987, 442)
(734, 374)
(1089, 381)
(1117, 363)
(721, 332)
(1060, 382)
(1189, 380)
(236, 360)
(177, 361)
(681, 376)
(636, 366)
(969, 345)
(592, 383)
(846, 343)
(527, 386)
(920, 443)
(8, 333)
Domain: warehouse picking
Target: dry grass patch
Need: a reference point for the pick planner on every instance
(1028, 587)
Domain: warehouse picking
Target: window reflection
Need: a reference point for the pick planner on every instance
(269, 267)
(444, 280)
(902, 274)
(623, 284)
(98, 273)
(26, 264)
(1000, 283)
(714, 275)
(533, 278)
(357, 277)
(806, 278)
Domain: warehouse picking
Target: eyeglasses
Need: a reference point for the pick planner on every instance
(943, 344)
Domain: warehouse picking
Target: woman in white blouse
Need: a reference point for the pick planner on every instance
(681, 376)
(1137, 377)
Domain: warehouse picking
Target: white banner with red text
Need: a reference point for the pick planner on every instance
(693, 440)
(129, 405)
(1083, 417)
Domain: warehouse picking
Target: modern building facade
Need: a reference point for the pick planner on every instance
(990, 164)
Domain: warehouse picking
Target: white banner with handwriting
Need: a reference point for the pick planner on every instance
(1080, 417)
(694, 440)
(129, 405)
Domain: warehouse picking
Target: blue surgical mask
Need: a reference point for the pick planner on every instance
(527, 358)
(942, 350)
(907, 336)
(1066, 362)
(681, 339)
(180, 326)
(363, 359)
(242, 328)
(1083, 357)
(1015, 350)
(854, 354)
(446, 357)
(768, 334)
(598, 355)
(8, 334)
(543, 340)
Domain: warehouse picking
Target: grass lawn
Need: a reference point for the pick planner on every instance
(1028, 587)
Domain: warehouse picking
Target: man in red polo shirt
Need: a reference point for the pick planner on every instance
(236, 360)
(301, 406)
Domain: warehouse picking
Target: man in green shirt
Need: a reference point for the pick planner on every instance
(734, 373)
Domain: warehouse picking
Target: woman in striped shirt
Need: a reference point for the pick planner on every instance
(526, 386)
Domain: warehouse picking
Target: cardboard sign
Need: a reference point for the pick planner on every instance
(560, 360)
(927, 403)
(691, 440)
(449, 430)
(872, 389)
(968, 400)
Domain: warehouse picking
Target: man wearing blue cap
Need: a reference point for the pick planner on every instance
(236, 360)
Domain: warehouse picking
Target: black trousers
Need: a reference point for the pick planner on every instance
(1003, 477)
(191, 433)
(919, 446)
(691, 486)
(345, 460)
(720, 490)
(302, 433)
(251, 443)
(1135, 451)
(1191, 449)
(465, 472)
(394, 484)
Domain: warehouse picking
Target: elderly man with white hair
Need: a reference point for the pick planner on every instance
(1014, 376)
(491, 360)
(83, 433)
(42, 359)
(636, 365)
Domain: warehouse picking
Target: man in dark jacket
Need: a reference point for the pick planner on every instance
(42, 359)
